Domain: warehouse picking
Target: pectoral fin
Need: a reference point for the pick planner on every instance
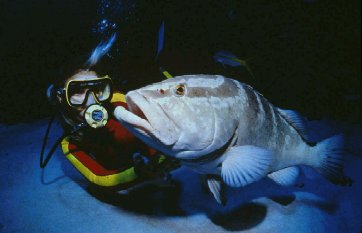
(245, 164)
(286, 176)
(216, 188)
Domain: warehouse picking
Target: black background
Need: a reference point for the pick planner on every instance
(305, 55)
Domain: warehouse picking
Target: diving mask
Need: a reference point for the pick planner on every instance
(77, 91)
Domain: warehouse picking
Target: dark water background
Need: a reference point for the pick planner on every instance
(305, 55)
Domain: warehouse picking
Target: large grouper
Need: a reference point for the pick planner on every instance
(227, 131)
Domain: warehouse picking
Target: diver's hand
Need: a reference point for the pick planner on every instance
(157, 170)
(145, 168)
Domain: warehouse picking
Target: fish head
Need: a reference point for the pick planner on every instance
(180, 116)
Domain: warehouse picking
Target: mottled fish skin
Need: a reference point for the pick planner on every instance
(220, 126)
(242, 111)
(262, 125)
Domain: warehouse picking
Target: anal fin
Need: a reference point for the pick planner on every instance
(286, 176)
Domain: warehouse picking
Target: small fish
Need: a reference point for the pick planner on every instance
(229, 59)
(227, 131)
(160, 42)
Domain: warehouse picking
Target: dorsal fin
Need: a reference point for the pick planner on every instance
(296, 121)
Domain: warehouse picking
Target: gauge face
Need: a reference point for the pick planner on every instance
(96, 116)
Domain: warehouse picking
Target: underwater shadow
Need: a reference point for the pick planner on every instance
(245, 213)
(284, 200)
(147, 199)
(244, 217)
(240, 213)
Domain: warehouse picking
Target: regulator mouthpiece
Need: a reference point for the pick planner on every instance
(96, 116)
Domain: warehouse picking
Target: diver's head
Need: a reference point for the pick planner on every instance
(75, 98)
(78, 92)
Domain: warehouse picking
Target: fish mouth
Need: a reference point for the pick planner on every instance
(133, 107)
(134, 119)
(147, 119)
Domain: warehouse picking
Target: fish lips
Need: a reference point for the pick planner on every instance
(149, 119)
(132, 121)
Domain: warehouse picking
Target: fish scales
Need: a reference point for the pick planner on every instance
(224, 128)
(260, 123)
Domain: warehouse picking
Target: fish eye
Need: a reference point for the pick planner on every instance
(180, 90)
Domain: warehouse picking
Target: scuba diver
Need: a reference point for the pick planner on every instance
(97, 145)
(94, 142)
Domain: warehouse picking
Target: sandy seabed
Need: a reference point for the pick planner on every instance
(59, 199)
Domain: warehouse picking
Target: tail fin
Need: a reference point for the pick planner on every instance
(330, 152)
